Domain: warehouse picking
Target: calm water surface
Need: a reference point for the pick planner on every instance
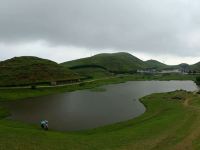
(86, 109)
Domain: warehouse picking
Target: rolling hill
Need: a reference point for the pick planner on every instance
(154, 64)
(195, 67)
(27, 70)
(107, 64)
(113, 63)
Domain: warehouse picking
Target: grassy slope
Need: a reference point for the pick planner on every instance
(93, 72)
(155, 64)
(196, 67)
(116, 62)
(171, 121)
(121, 63)
(26, 70)
(102, 65)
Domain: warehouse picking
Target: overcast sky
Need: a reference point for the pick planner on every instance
(61, 30)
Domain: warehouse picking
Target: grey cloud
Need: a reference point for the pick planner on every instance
(149, 26)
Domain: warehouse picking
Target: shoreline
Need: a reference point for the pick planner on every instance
(101, 89)
(165, 114)
(13, 94)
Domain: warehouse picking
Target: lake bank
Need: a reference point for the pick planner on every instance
(19, 94)
(86, 109)
(166, 117)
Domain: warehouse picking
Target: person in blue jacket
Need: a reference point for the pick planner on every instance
(44, 124)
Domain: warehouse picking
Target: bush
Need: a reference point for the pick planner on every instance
(198, 80)
(82, 84)
(33, 87)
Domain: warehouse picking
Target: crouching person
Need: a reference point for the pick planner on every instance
(44, 124)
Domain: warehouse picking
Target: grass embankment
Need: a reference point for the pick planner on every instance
(172, 121)
(18, 94)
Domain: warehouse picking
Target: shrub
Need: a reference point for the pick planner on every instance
(198, 80)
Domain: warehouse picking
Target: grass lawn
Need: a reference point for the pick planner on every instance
(172, 121)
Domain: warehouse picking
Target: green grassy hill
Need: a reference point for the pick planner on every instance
(184, 67)
(106, 64)
(154, 64)
(28, 70)
(115, 62)
(92, 72)
(195, 67)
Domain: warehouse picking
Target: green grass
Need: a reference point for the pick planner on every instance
(28, 70)
(98, 89)
(122, 63)
(166, 124)
(155, 64)
(196, 67)
(115, 62)
(92, 72)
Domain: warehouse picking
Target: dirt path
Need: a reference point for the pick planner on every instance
(186, 102)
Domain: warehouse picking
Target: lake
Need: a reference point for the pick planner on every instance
(90, 109)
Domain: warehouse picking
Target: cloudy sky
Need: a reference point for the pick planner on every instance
(166, 30)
